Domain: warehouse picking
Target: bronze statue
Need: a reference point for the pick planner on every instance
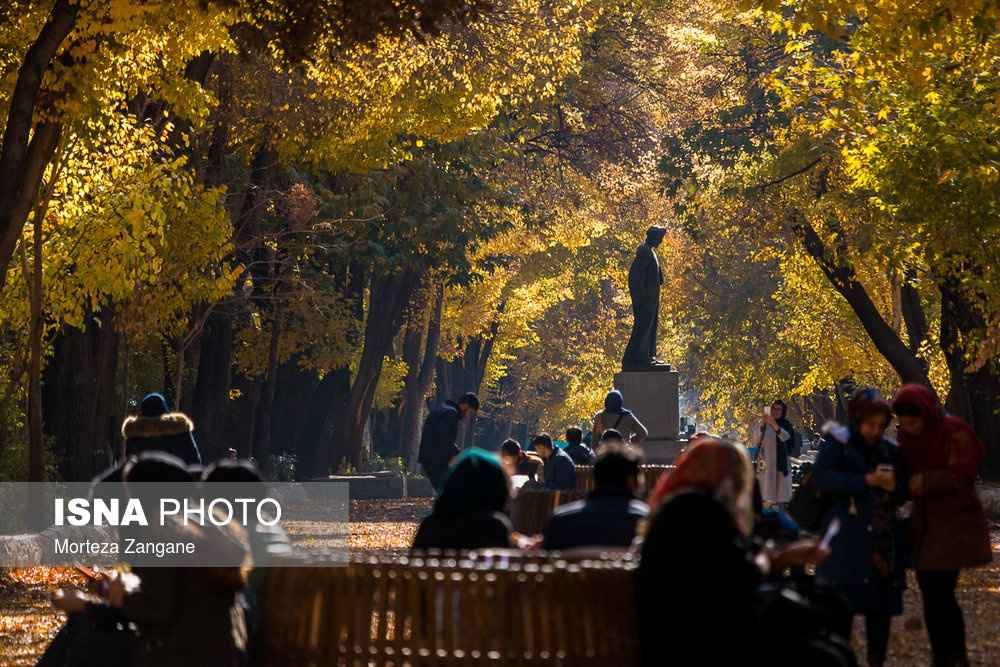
(644, 279)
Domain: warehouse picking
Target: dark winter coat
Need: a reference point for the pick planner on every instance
(437, 440)
(840, 468)
(172, 432)
(473, 530)
(696, 587)
(606, 518)
(189, 616)
(186, 618)
(559, 471)
(581, 454)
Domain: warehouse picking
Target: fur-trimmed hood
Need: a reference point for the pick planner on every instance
(171, 423)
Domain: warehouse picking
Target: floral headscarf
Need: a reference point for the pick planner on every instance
(716, 468)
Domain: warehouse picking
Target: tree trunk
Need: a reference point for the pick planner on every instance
(842, 276)
(412, 356)
(913, 314)
(388, 297)
(266, 407)
(22, 164)
(292, 391)
(211, 402)
(410, 436)
(78, 391)
(465, 373)
(975, 393)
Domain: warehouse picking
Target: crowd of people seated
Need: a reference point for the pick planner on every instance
(711, 554)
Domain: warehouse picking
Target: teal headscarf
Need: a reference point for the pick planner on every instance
(477, 482)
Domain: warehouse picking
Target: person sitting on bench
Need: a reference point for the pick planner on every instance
(469, 512)
(609, 514)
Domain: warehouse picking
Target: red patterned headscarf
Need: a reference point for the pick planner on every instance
(716, 468)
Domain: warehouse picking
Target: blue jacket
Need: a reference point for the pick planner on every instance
(437, 440)
(559, 471)
(606, 518)
(840, 468)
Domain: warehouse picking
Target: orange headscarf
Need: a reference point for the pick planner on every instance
(717, 468)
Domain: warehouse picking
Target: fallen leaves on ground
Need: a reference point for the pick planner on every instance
(376, 526)
(978, 594)
(27, 620)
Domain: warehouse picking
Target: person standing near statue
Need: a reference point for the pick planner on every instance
(772, 435)
(615, 416)
(644, 279)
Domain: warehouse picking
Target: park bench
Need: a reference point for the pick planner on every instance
(450, 610)
(650, 475)
(531, 509)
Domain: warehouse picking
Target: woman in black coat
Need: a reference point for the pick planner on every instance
(696, 588)
(158, 429)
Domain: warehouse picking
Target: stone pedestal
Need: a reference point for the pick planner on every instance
(654, 398)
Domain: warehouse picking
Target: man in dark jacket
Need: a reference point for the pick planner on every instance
(609, 515)
(437, 441)
(158, 429)
(559, 471)
(581, 454)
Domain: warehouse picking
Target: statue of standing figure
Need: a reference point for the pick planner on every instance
(644, 279)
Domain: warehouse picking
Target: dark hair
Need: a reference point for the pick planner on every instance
(615, 465)
(156, 466)
(469, 399)
(611, 434)
(227, 470)
(542, 439)
(784, 407)
(574, 435)
(906, 409)
(817, 435)
(510, 447)
(865, 404)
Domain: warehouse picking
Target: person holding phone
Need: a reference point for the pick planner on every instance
(772, 435)
(867, 563)
(948, 529)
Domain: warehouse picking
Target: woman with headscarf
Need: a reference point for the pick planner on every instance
(615, 416)
(469, 512)
(156, 428)
(867, 565)
(947, 529)
(772, 435)
(699, 572)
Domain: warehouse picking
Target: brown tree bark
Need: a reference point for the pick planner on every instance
(23, 162)
(410, 434)
(388, 297)
(843, 278)
(265, 412)
(465, 373)
(975, 392)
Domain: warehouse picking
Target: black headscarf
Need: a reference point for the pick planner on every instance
(790, 430)
(614, 402)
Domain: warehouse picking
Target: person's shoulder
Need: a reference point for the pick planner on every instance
(171, 423)
(638, 507)
(691, 508)
(569, 509)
